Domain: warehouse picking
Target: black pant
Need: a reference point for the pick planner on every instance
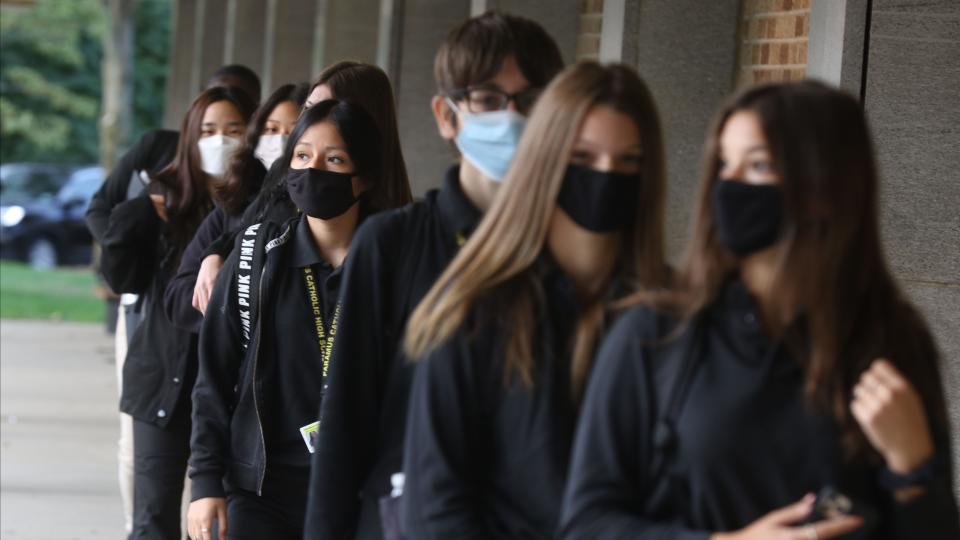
(277, 515)
(159, 464)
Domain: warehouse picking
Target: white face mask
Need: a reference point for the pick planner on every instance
(215, 153)
(270, 148)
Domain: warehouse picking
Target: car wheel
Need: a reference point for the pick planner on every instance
(42, 254)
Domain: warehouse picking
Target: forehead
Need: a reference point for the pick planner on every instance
(320, 135)
(219, 111)
(606, 126)
(742, 130)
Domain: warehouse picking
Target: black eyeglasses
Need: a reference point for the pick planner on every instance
(486, 99)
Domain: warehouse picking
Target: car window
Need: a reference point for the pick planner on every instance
(82, 185)
(26, 182)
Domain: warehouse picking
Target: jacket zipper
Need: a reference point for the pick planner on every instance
(256, 405)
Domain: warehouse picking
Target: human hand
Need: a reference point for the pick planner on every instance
(206, 278)
(159, 205)
(891, 414)
(200, 518)
(780, 524)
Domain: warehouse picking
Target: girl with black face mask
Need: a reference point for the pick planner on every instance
(784, 388)
(505, 336)
(265, 348)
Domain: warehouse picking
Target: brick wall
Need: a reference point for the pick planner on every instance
(588, 36)
(773, 40)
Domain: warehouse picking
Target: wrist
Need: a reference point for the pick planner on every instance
(905, 463)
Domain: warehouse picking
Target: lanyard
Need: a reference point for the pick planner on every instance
(324, 339)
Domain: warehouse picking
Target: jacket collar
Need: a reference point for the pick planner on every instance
(304, 249)
(457, 214)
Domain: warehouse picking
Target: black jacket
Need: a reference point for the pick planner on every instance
(271, 204)
(161, 360)
(486, 456)
(154, 151)
(178, 298)
(745, 441)
(228, 442)
(394, 259)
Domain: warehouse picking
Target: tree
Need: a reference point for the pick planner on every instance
(50, 77)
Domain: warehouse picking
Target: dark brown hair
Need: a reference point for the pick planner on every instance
(368, 86)
(837, 305)
(184, 183)
(475, 50)
(235, 191)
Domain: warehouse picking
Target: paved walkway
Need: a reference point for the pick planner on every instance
(58, 432)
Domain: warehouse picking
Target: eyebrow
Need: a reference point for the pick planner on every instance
(214, 124)
(328, 147)
(757, 147)
(638, 146)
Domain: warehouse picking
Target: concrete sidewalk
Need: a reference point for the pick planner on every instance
(58, 432)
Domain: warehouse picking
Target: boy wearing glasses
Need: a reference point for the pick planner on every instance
(489, 72)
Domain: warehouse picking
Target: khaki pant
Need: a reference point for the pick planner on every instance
(125, 445)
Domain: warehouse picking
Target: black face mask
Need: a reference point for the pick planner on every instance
(321, 194)
(599, 201)
(748, 216)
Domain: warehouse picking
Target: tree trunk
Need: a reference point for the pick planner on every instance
(117, 107)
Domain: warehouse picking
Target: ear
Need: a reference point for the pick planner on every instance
(446, 118)
(359, 186)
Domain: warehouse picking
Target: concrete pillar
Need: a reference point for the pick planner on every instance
(689, 64)
(243, 42)
(912, 73)
(209, 40)
(289, 42)
(351, 32)
(425, 26)
(836, 43)
(179, 90)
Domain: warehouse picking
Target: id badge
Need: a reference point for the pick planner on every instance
(309, 433)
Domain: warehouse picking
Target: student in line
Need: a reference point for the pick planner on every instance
(489, 72)
(152, 152)
(265, 348)
(264, 143)
(506, 336)
(364, 84)
(786, 360)
(142, 244)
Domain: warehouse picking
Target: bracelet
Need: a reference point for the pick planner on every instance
(920, 476)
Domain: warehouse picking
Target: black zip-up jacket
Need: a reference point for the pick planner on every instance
(746, 440)
(228, 442)
(271, 204)
(486, 458)
(161, 360)
(394, 259)
(154, 151)
(178, 297)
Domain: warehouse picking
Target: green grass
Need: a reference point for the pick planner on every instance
(69, 294)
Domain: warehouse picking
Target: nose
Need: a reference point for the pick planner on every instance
(512, 104)
(604, 163)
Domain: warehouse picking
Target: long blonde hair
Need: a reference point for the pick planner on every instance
(512, 235)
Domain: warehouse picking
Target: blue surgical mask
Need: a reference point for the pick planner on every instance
(489, 140)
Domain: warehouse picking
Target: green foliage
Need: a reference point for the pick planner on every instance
(62, 294)
(50, 77)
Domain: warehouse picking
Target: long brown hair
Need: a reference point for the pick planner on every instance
(499, 257)
(368, 86)
(831, 273)
(185, 184)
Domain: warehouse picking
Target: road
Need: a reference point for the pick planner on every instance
(58, 432)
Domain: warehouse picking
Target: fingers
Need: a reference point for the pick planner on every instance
(834, 527)
(195, 301)
(222, 520)
(793, 513)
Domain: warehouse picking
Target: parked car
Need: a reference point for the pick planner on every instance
(42, 211)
